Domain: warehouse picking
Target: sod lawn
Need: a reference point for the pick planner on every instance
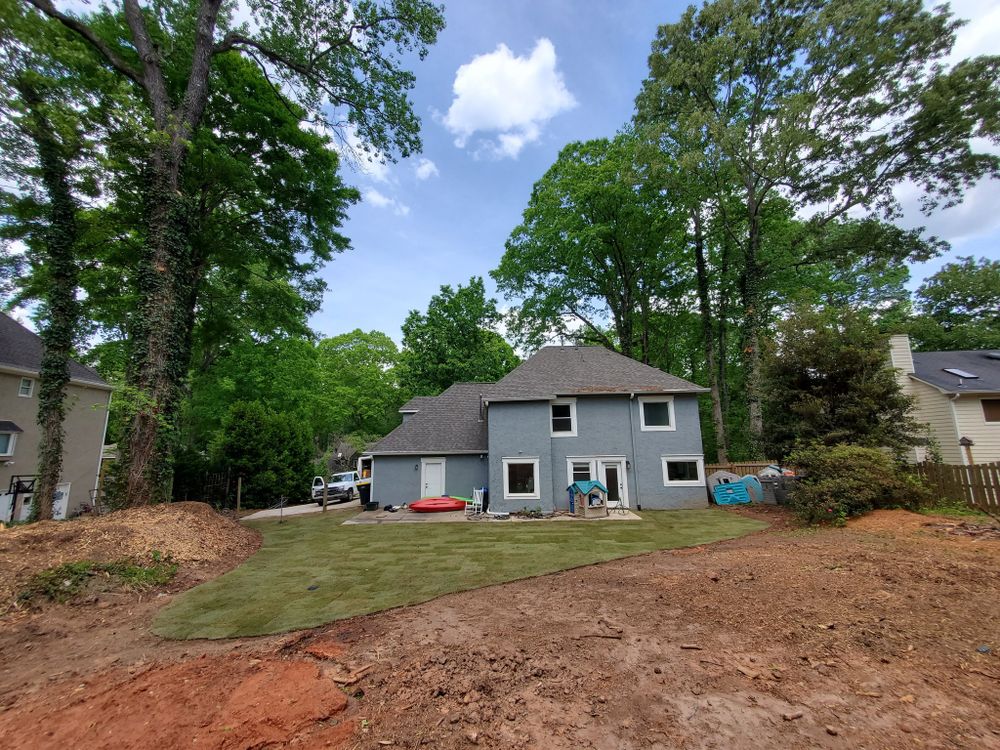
(312, 570)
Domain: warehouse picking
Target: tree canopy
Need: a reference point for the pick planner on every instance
(959, 307)
(454, 341)
(338, 66)
(820, 108)
(828, 379)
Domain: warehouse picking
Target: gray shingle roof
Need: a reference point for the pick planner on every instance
(930, 368)
(581, 370)
(415, 403)
(22, 349)
(449, 423)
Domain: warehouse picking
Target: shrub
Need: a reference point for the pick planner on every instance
(848, 480)
(272, 451)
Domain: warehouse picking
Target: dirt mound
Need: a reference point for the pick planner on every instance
(188, 533)
(895, 521)
(214, 702)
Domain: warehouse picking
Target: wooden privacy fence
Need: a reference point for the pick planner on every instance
(977, 484)
(741, 469)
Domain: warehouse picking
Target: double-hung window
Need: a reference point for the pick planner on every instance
(26, 388)
(563, 418)
(580, 471)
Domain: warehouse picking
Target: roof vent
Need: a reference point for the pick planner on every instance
(992, 355)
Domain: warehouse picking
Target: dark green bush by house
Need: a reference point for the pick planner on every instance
(841, 481)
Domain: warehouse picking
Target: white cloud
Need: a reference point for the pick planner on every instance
(510, 96)
(978, 37)
(425, 169)
(379, 200)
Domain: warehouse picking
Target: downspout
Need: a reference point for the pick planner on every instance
(100, 455)
(954, 422)
(635, 460)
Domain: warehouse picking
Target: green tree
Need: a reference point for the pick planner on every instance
(281, 374)
(454, 341)
(341, 63)
(594, 250)
(272, 451)
(359, 380)
(46, 127)
(828, 380)
(828, 106)
(959, 307)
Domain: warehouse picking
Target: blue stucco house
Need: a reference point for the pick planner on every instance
(566, 414)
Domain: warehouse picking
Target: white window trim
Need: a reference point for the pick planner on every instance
(595, 465)
(700, 460)
(507, 494)
(570, 460)
(10, 445)
(31, 388)
(669, 400)
(424, 460)
(572, 417)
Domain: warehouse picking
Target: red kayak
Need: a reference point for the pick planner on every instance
(436, 505)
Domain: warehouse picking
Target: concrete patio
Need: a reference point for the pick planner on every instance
(457, 516)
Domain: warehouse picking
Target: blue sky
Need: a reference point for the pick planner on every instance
(565, 71)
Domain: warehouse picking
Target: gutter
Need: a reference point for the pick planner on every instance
(100, 454)
(954, 393)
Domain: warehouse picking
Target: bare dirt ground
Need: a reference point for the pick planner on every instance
(885, 634)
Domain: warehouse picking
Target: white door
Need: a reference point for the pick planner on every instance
(611, 473)
(432, 476)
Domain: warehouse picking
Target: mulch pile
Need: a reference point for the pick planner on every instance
(972, 530)
(190, 534)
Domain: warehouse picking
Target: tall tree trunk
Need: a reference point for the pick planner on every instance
(161, 338)
(750, 293)
(644, 323)
(161, 349)
(60, 299)
(708, 337)
(722, 314)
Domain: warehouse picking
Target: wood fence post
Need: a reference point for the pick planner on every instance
(239, 494)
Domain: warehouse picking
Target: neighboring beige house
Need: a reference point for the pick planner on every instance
(958, 395)
(87, 404)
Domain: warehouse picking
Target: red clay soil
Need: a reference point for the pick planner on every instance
(881, 635)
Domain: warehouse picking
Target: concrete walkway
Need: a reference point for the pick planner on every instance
(300, 510)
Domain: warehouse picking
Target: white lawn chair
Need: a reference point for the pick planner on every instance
(476, 506)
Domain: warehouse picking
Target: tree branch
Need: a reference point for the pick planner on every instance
(113, 58)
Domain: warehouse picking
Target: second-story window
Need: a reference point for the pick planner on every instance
(26, 388)
(563, 418)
